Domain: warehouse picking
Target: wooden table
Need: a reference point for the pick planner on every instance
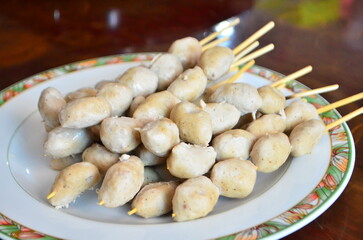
(38, 35)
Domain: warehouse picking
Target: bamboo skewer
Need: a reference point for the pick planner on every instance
(247, 50)
(254, 37)
(314, 91)
(214, 43)
(341, 103)
(344, 119)
(215, 34)
(292, 76)
(253, 55)
(50, 195)
(132, 211)
(234, 77)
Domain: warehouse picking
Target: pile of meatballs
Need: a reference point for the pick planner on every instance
(158, 138)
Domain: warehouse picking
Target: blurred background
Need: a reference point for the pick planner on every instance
(327, 34)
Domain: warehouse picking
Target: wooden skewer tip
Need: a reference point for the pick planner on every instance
(132, 211)
(50, 195)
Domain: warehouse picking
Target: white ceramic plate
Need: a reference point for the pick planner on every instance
(281, 202)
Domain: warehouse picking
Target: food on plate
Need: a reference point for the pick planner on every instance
(156, 106)
(122, 182)
(216, 62)
(267, 124)
(270, 152)
(305, 136)
(141, 80)
(81, 93)
(188, 50)
(154, 199)
(71, 182)
(167, 67)
(135, 104)
(224, 116)
(101, 83)
(299, 111)
(84, 112)
(61, 163)
(194, 198)
(150, 176)
(62, 142)
(50, 103)
(195, 125)
(169, 137)
(100, 156)
(189, 161)
(147, 157)
(242, 95)
(118, 96)
(235, 143)
(189, 85)
(160, 136)
(273, 100)
(119, 134)
(234, 177)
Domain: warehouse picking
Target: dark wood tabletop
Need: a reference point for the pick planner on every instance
(327, 34)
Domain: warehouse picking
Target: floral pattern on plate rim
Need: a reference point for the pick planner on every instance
(339, 163)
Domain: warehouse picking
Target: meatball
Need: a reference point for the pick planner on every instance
(118, 96)
(195, 198)
(122, 182)
(234, 177)
(188, 50)
(188, 161)
(156, 106)
(50, 103)
(154, 199)
(195, 125)
(243, 96)
(190, 85)
(63, 142)
(167, 67)
(216, 62)
(84, 112)
(273, 100)
(160, 136)
(100, 157)
(71, 182)
(236, 143)
(141, 80)
(299, 111)
(305, 136)
(267, 124)
(120, 135)
(270, 152)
